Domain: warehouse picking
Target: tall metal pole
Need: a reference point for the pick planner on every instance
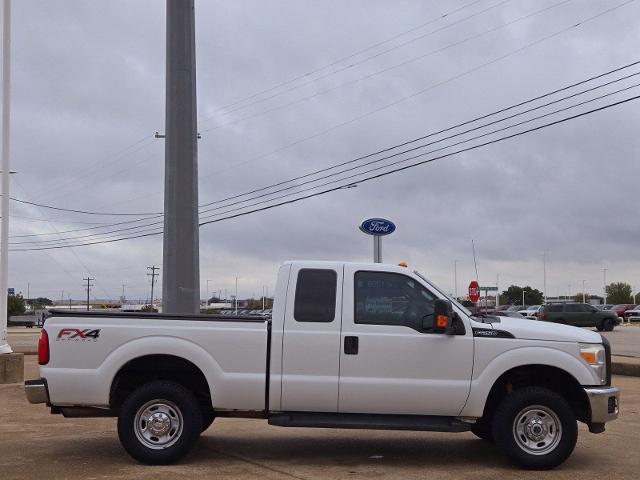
(4, 210)
(544, 276)
(604, 281)
(377, 249)
(455, 278)
(583, 295)
(181, 271)
(236, 297)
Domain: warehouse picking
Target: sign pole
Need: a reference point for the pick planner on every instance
(377, 249)
(377, 228)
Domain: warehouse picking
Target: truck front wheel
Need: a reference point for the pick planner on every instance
(159, 422)
(536, 428)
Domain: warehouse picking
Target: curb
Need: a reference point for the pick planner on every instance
(624, 368)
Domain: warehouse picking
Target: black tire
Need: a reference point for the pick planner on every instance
(483, 430)
(534, 407)
(608, 324)
(208, 416)
(178, 418)
(600, 326)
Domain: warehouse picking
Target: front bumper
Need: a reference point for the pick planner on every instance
(605, 406)
(37, 391)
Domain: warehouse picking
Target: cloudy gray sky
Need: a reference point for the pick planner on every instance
(88, 94)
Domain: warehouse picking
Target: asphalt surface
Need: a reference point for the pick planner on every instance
(36, 445)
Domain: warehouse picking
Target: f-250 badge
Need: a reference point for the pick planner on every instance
(77, 335)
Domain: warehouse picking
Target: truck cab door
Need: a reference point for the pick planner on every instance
(389, 363)
(311, 339)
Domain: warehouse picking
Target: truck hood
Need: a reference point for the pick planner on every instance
(537, 330)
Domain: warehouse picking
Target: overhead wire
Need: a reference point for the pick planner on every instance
(476, 128)
(361, 180)
(340, 60)
(389, 68)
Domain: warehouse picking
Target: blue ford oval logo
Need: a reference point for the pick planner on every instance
(377, 226)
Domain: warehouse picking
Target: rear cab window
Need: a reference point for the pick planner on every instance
(315, 299)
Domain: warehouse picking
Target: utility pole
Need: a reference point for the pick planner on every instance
(6, 171)
(88, 288)
(263, 297)
(544, 276)
(604, 281)
(181, 271)
(583, 294)
(153, 276)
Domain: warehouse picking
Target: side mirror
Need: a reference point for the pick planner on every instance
(443, 316)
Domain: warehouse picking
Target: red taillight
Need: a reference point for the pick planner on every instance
(43, 348)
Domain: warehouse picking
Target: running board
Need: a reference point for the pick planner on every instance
(369, 421)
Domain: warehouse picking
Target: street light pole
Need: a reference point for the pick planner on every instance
(604, 280)
(236, 298)
(455, 278)
(583, 295)
(6, 171)
(544, 276)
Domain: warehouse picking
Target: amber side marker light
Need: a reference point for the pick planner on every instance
(589, 357)
(441, 321)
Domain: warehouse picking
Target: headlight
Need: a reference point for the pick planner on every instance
(594, 356)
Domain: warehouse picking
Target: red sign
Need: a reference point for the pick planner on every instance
(474, 291)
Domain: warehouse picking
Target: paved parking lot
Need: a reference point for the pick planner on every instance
(35, 445)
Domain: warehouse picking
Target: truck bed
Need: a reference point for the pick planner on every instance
(88, 349)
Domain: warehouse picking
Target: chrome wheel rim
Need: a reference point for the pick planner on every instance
(537, 430)
(158, 424)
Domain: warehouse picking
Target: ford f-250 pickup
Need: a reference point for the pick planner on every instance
(348, 346)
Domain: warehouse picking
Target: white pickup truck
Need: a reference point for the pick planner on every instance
(348, 346)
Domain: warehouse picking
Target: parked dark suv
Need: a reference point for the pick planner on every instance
(579, 315)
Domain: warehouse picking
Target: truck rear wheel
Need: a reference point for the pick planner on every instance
(159, 422)
(536, 428)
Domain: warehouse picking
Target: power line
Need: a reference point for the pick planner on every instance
(85, 212)
(420, 92)
(387, 69)
(476, 128)
(354, 64)
(340, 60)
(118, 231)
(372, 177)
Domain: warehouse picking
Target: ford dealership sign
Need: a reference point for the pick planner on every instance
(378, 226)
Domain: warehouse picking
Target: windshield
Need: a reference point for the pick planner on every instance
(453, 300)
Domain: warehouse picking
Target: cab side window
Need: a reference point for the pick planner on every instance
(383, 298)
(315, 299)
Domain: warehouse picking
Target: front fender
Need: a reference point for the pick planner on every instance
(485, 374)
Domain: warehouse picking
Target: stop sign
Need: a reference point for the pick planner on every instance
(474, 291)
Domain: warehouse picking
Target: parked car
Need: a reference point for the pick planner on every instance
(517, 308)
(579, 315)
(606, 306)
(531, 311)
(349, 346)
(505, 313)
(632, 315)
(621, 308)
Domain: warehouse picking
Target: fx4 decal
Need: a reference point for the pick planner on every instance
(78, 335)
